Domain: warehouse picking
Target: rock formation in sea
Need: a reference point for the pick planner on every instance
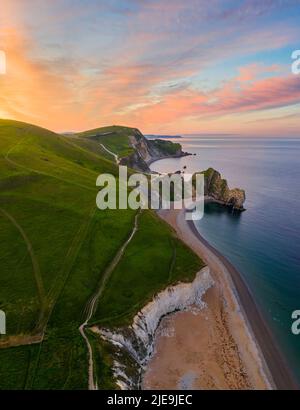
(216, 189)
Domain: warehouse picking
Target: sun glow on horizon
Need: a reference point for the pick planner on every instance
(163, 67)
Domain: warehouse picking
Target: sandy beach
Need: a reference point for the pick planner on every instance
(225, 345)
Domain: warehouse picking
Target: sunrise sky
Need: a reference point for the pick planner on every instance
(171, 66)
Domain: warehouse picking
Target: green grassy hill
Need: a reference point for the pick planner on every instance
(115, 138)
(56, 247)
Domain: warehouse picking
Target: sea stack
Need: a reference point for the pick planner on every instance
(216, 189)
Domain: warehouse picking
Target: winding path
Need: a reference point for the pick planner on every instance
(34, 261)
(111, 153)
(92, 304)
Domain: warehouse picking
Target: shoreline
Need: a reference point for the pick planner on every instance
(152, 160)
(247, 323)
(281, 375)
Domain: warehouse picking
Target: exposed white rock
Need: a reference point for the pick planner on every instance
(138, 339)
(123, 380)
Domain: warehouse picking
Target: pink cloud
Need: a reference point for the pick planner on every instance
(148, 79)
(234, 97)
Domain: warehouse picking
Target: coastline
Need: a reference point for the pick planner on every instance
(281, 375)
(153, 159)
(260, 355)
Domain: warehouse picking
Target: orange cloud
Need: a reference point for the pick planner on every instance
(149, 81)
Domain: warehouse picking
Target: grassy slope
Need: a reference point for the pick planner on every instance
(48, 206)
(166, 147)
(154, 259)
(116, 139)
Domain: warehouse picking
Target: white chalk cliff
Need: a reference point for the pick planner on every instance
(138, 339)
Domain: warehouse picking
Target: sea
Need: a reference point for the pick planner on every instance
(263, 242)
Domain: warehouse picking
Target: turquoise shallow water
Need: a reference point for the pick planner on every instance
(263, 242)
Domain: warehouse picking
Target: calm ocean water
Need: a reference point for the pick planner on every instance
(263, 242)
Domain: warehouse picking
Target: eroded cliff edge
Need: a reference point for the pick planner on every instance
(216, 189)
(147, 151)
(133, 346)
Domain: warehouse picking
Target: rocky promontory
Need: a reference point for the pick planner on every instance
(131, 147)
(216, 189)
(147, 151)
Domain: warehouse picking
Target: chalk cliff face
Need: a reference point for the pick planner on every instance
(147, 151)
(217, 189)
(138, 339)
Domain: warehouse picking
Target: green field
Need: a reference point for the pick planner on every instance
(115, 138)
(55, 248)
(166, 147)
